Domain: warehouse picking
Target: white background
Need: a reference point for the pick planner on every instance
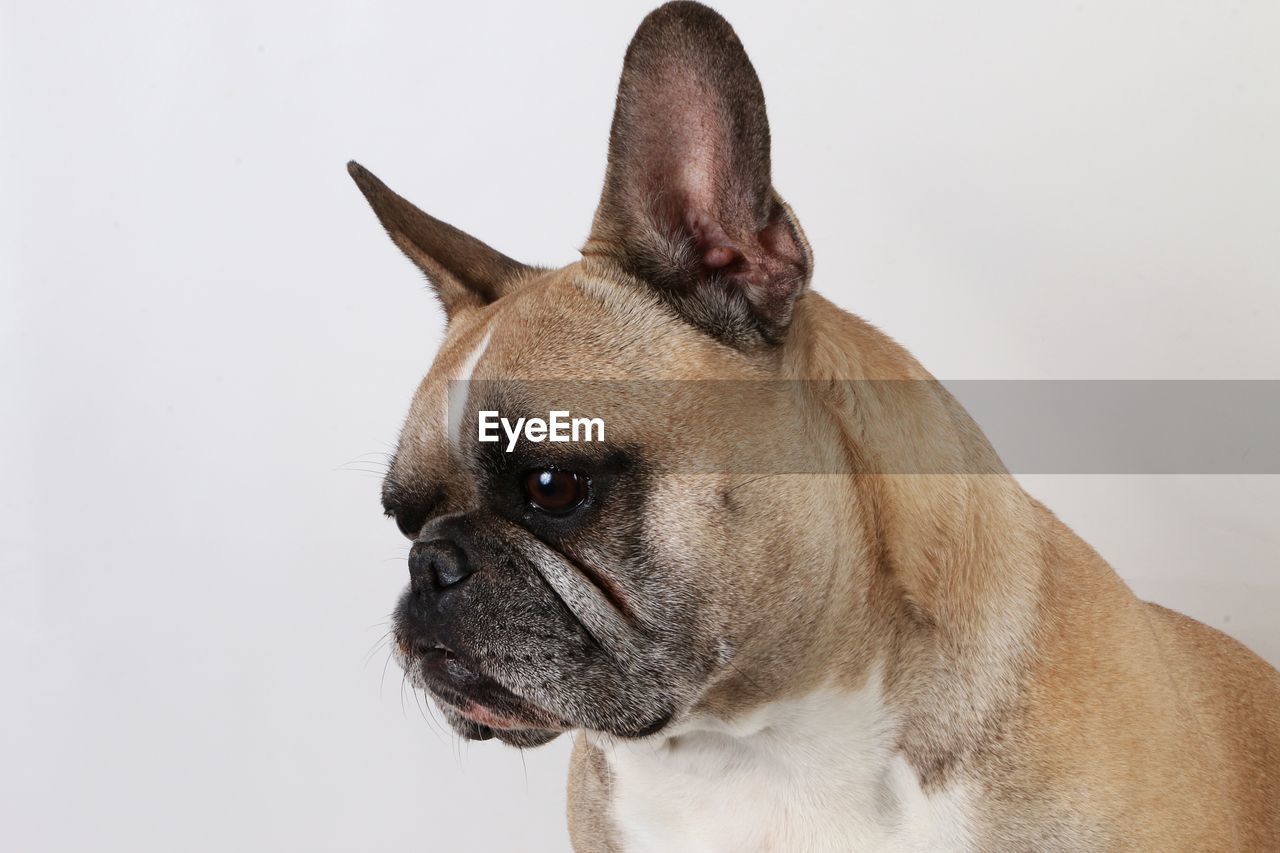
(206, 344)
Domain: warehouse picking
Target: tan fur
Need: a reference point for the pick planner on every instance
(590, 796)
(1015, 666)
(1018, 659)
(1090, 719)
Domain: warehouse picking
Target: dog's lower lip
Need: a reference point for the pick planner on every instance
(526, 716)
(495, 719)
(459, 684)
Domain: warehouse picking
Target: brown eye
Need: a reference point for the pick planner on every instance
(556, 492)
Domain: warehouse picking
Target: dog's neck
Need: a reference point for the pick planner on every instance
(949, 607)
(961, 547)
(827, 761)
(921, 654)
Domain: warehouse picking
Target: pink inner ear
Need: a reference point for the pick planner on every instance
(717, 250)
(717, 257)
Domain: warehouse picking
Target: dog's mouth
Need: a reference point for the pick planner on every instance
(460, 686)
(481, 708)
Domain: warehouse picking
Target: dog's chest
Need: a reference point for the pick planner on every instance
(816, 774)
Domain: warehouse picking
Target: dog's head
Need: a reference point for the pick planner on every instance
(610, 585)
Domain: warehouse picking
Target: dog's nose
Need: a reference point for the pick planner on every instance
(437, 563)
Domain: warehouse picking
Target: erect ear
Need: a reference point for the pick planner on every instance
(463, 271)
(688, 203)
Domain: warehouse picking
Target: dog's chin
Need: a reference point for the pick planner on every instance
(470, 727)
(473, 730)
(525, 725)
(522, 726)
(478, 706)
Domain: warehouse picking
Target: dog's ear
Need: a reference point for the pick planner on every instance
(688, 202)
(464, 272)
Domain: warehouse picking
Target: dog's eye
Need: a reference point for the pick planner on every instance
(556, 492)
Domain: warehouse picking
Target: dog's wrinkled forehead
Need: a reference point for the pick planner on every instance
(571, 325)
(557, 342)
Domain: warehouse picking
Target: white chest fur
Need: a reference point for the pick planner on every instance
(811, 774)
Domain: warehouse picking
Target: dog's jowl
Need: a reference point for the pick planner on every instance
(850, 654)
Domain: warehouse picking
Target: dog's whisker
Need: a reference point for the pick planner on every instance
(382, 680)
(384, 463)
(382, 642)
(417, 700)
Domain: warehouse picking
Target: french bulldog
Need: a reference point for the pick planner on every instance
(861, 655)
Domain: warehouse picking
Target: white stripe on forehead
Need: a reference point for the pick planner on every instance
(460, 389)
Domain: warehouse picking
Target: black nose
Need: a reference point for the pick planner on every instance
(437, 563)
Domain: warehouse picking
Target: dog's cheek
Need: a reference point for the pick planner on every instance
(691, 535)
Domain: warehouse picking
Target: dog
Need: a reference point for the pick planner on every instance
(846, 651)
